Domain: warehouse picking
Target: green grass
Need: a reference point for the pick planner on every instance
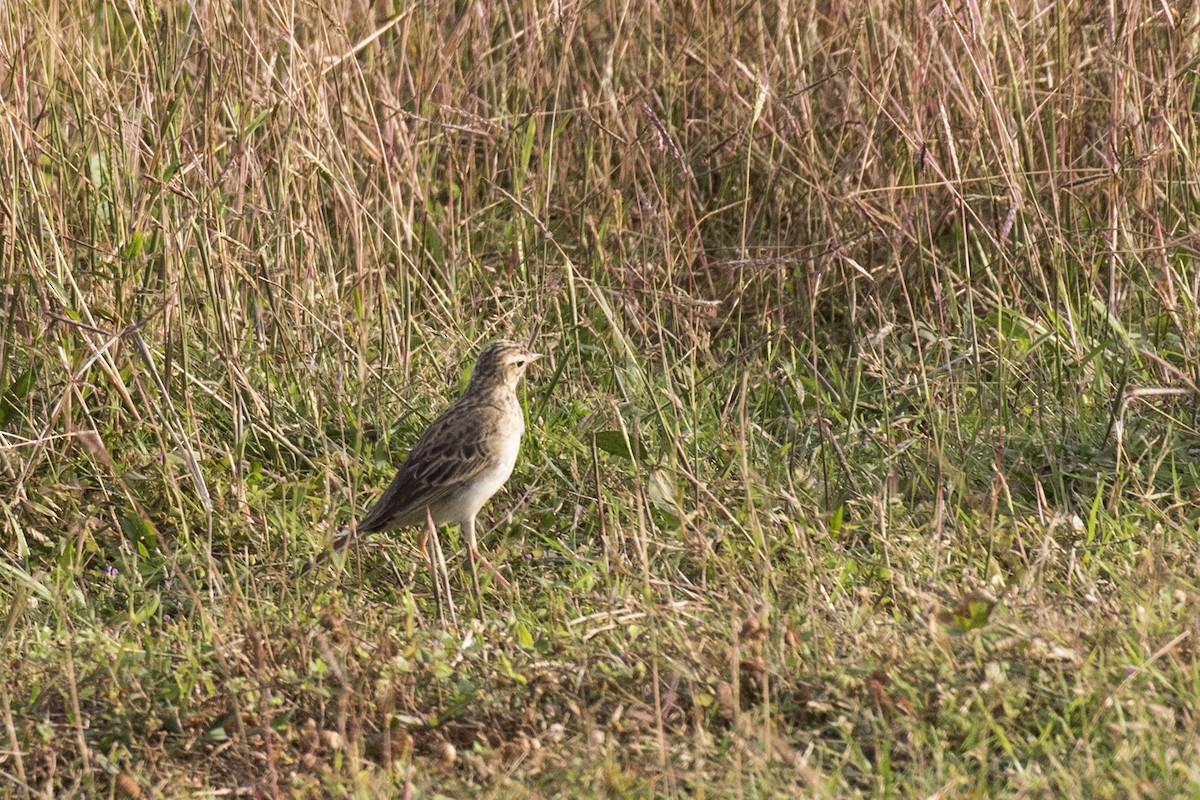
(863, 463)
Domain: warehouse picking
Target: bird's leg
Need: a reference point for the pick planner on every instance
(441, 577)
(469, 530)
(477, 557)
(427, 553)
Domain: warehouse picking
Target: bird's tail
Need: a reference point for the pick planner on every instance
(341, 540)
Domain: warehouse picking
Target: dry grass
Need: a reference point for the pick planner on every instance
(864, 463)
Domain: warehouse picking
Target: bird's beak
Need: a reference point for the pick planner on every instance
(535, 357)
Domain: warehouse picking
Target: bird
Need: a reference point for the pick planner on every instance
(463, 458)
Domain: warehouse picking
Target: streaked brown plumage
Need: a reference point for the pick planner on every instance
(462, 458)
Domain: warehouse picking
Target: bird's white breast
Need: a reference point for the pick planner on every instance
(488, 482)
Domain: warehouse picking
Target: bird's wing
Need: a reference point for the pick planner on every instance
(453, 450)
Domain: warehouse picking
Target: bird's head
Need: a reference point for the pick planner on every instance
(502, 363)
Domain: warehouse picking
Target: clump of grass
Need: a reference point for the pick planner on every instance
(863, 464)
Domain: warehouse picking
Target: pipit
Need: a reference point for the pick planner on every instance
(461, 460)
